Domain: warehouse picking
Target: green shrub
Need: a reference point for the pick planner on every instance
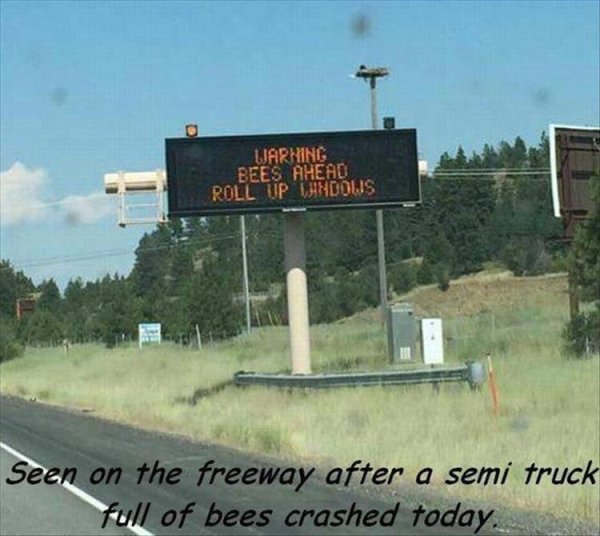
(582, 334)
(443, 278)
(526, 256)
(9, 346)
(403, 277)
(425, 275)
(42, 328)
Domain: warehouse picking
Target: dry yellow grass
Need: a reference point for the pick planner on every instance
(483, 293)
(549, 404)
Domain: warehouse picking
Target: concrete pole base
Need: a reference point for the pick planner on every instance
(297, 292)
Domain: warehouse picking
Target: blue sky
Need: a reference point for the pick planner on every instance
(89, 88)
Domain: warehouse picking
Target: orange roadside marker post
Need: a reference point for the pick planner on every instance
(493, 386)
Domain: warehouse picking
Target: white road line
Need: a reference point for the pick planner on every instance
(86, 497)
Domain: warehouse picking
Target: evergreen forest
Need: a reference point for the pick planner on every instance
(491, 206)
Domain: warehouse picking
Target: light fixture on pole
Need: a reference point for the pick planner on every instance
(191, 130)
(372, 74)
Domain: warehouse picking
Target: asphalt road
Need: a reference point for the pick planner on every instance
(45, 509)
(53, 437)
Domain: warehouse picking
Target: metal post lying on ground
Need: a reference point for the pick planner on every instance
(297, 291)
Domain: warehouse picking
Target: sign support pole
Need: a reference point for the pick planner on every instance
(297, 291)
(246, 286)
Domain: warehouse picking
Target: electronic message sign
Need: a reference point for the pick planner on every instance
(274, 172)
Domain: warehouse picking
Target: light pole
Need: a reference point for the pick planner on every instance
(372, 74)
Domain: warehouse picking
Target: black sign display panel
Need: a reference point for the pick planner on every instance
(274, 172)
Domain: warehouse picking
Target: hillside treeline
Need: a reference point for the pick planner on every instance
(490, 206)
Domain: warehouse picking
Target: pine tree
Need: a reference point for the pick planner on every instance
(13, 285)
(76, 310)
(120, 311)
(210, 301)
(490, 158)
(460, 161)
(50, 299)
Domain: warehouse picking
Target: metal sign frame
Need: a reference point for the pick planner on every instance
(150, 184)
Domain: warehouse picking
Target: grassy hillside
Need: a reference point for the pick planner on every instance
(549, 404)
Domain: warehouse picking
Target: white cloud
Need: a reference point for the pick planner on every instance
(22, 200)
(21, 194)
(87, 208)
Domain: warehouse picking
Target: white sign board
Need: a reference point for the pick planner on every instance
(433, 341)
(149, 334)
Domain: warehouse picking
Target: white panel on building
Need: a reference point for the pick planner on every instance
(433, 341)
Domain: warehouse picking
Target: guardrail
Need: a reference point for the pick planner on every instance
(473, 373)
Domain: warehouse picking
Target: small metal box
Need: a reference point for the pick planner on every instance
(432, 339)
(401, 330)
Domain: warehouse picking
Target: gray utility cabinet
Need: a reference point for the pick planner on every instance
(402, 333)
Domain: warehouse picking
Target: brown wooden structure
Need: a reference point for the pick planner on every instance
(25, 306)
(574, 159)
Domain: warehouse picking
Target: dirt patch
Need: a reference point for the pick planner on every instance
(475, 296)
(483, 293)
